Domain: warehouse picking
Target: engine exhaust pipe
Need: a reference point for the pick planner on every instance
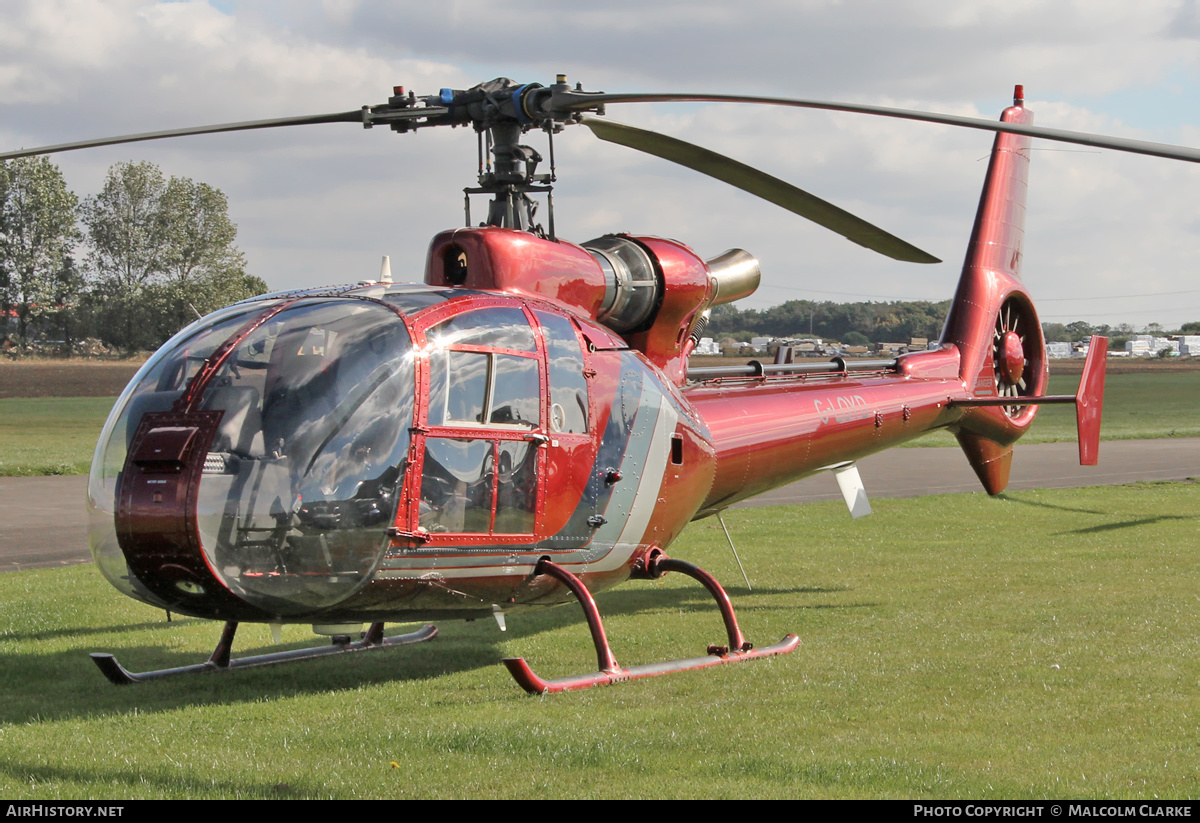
(735, 273)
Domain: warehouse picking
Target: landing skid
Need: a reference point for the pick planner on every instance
(657, 564)
(220, 661)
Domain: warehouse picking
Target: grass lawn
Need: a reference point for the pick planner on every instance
(50, 435)
(1039, 644)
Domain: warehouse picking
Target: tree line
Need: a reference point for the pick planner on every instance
(850, 323)
(129, 266)
(858, 324)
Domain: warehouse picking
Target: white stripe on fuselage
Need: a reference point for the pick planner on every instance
(645, 499)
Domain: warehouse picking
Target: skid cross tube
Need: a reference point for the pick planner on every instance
(739, 648)
(220, 661)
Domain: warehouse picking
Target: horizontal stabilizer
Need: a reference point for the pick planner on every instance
(1088, 400)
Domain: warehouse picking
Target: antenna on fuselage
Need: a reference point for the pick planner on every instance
(721, 520)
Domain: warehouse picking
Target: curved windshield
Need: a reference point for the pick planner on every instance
(155, 388)
(302, 478)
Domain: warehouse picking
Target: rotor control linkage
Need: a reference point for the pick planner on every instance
(220, 661)
(654, 566)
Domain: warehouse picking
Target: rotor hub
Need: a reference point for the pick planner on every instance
(1012, 358)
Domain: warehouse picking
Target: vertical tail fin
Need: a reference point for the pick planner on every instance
(992, 321)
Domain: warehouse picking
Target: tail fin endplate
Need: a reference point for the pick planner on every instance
(1089, 401)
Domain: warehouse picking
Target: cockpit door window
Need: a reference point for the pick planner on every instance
(480, 465)
(475, 388)
(568, 413)
(478, 486)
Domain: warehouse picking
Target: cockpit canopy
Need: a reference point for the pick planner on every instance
(318, 396)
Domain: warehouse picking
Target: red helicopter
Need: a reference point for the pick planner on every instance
(524, 428)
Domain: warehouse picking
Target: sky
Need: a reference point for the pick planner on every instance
(1110, 238)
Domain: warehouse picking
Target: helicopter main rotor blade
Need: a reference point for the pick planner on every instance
(366, 116)
(584, 101)
(355, 116)
(760, 184)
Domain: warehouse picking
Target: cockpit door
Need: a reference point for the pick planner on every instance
(482, 424)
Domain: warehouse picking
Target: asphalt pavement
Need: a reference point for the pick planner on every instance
(43, 521)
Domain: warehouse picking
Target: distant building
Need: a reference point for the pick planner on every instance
(1147, 345)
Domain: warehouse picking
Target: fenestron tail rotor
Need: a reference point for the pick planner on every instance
(1015, 356)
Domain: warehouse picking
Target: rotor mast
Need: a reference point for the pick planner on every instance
(509, 175)
(500, 111)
